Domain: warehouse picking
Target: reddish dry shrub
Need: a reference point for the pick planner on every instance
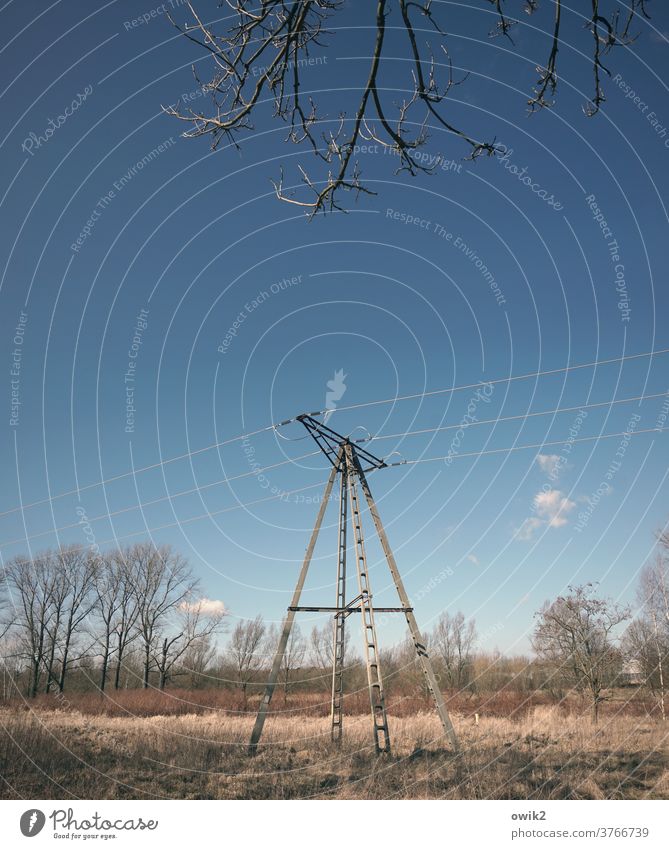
(505, 703)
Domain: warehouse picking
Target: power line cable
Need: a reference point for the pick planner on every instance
(274, 427)
(453, 456)
(256, 472)
(494, 381)
(456, 456)
(512, 418)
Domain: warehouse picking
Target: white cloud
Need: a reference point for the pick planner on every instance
(548, 462)
(551, 508)
(473, 559)
(206, 606)
(527, 529)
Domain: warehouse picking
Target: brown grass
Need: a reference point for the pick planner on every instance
(548, 753)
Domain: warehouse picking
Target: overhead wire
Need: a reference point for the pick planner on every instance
(519, 416)
(454, 456)
(273, 427)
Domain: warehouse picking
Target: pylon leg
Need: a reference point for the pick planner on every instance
(338, 637)
(288, 622)
(374, 678)
(418, 641)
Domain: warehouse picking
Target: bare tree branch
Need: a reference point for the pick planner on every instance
(260, 56)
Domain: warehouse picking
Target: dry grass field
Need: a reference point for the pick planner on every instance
(546, 753)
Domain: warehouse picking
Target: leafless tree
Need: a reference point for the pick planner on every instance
(32, 585)
(293, 657)
(125, 619)
(6, 613)
(59, 593)
(162, 581)
(648, 636)
(245, 651)
(452, 641)
(198, 659)
(52, 593)
(574, 634)
(78, 568)
(260, 55)
(117, 609)
(195, 622)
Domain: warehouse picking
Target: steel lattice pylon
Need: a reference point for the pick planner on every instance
(348, 461)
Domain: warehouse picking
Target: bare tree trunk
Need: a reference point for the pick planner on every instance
(63, 668)
(35, 677)
(659, 666)
(117, 672)
(52, 655)
(147, 664)
(595, 709)
(105, 663)
(117, 675)
(163, 666)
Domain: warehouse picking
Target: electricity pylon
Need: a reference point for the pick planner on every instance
(347, 460)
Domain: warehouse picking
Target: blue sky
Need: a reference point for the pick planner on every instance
(173, 252)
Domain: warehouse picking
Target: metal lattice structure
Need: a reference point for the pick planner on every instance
(350, 463)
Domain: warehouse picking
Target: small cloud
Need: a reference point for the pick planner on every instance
(473, 559)
(551, 508)
(205, 606)
(548, 463)
(527, 529)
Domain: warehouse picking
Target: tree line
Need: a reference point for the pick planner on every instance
(136, 617)
(64, 608)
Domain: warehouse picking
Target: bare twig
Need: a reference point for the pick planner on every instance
(260, 57)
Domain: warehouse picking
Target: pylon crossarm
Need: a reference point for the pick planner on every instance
(288, 622)
(329, 441)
